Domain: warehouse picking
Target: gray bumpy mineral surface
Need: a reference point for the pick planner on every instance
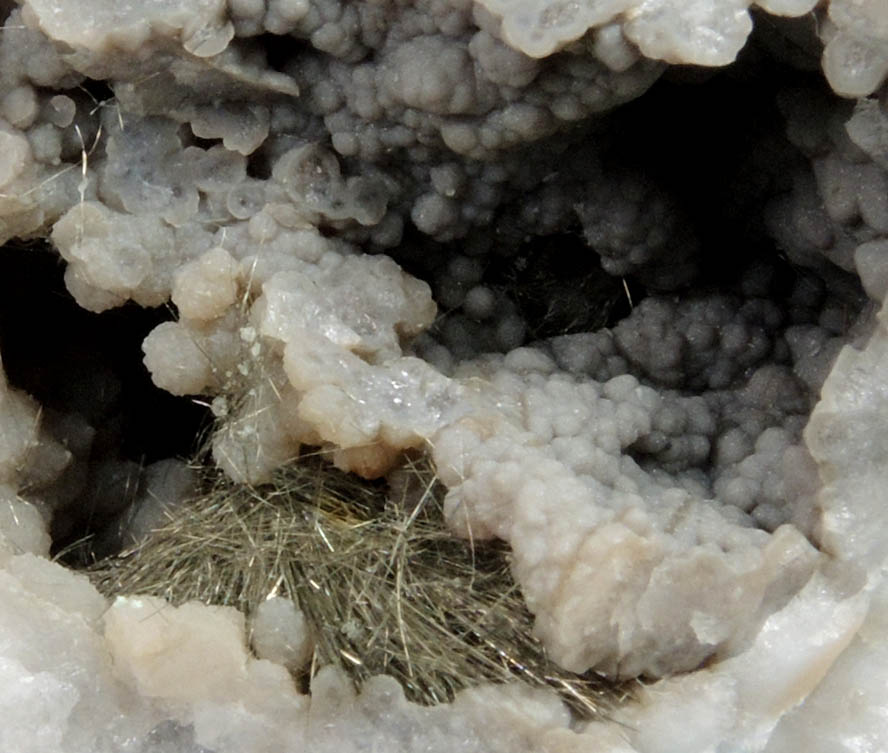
(622, 289)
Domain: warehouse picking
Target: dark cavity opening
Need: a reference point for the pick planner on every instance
(559, 288)
(86, 371)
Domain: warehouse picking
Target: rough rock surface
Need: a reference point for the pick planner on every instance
(379, 225)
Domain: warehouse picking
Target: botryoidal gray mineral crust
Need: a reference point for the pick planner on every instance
(342, 202)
